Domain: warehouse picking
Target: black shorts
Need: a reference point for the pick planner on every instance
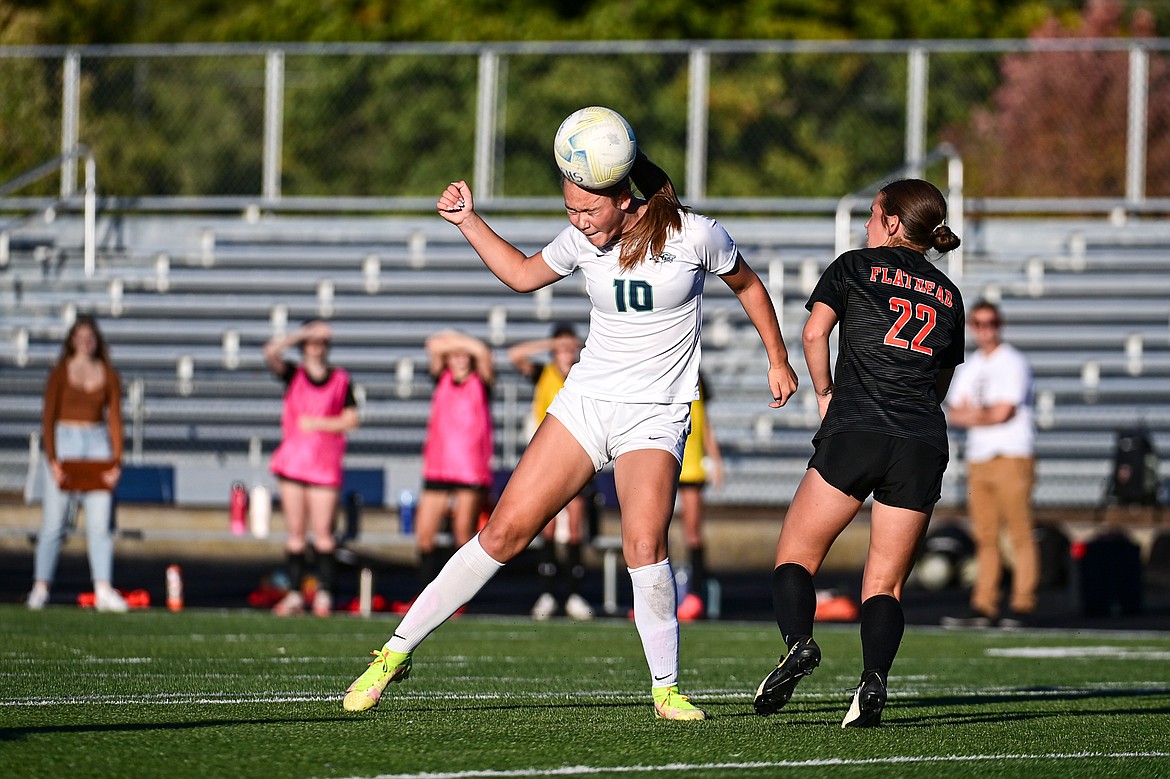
(304, 483)
(450, 486)
(900, 472)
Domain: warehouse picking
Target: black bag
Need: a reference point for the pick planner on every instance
(1158, 562)
(1052, 547)
(1134, 481)
(1108, 575)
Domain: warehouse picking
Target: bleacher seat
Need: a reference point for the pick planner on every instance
(1088, 302)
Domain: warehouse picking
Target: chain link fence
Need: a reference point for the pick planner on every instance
(739, 125)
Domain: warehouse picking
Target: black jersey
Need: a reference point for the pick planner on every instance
(900, 321)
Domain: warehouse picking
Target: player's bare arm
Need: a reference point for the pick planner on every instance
(509, 264)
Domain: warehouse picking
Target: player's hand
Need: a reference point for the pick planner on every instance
(783, 382)
(111, 476)
(320, 331)
(715, 473)
(455, 203)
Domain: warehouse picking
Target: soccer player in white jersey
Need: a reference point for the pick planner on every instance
(627, 401)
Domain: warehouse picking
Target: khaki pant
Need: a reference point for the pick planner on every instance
(999, 498)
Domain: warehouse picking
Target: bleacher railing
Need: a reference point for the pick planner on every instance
(66, 163)
(860, 199)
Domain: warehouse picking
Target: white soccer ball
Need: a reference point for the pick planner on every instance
(595, 147)
(935, 571)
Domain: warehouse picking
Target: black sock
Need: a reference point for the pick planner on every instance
(294, 563)
(428, 568)
(575, 571)
(794, 600)
(882, 626)
(698, 572)
(547, 566)
(326, 570)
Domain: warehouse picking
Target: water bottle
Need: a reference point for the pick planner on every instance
(406, 511)
(238, 508)
(682, 584)
(174, 588)
(714, 602)
(261, 510)
(353, 516)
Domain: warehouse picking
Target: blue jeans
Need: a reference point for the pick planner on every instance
(77, 442)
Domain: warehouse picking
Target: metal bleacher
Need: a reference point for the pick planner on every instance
(187, 302)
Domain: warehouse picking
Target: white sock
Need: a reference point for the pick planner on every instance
(656, 618)
(464, 575)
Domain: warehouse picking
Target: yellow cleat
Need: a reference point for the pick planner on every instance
(366, 690)
(670, 704)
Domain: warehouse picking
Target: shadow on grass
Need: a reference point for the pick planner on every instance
(950, 710)
(16, 734)
(955, 709)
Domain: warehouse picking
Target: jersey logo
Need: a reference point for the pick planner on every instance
(663, 258)
(900, 278)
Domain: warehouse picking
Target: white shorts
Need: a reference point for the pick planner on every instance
(606, 429)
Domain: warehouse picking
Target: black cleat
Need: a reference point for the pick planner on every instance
(1013, 620)
(803, 656)
(865, 711)
(972, 619)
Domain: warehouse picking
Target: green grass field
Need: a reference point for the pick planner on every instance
(240, 694)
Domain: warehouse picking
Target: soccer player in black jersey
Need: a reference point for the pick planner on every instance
(882, 433)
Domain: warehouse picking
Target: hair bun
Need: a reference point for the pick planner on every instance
(942, 239)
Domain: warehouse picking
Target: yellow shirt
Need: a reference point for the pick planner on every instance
(693, 471)
(548, 384)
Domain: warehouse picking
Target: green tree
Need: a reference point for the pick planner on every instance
(165, 21)
(1056, 125)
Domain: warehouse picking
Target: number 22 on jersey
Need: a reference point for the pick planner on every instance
(905, 310)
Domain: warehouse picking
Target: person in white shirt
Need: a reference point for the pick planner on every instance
(644, 258)
(992, 398)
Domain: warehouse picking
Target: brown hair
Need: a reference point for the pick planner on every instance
(663, 213)
(986, 305)
(101, 353)
(923, 211)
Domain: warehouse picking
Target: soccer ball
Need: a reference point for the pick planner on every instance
(595, 147)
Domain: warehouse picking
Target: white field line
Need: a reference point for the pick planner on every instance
(437, 661)
(1066, 652)
(457, 660)
(179, 698)
(682, 768)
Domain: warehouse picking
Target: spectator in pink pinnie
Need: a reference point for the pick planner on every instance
(457, 454)
(319, 409)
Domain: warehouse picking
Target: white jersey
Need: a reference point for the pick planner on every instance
(643, 343)
(988, 380)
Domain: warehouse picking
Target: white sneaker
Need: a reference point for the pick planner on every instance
(545, 607)
(322, 603)
(109, 599)
(290, 605)
(578, 608)
(38, 598)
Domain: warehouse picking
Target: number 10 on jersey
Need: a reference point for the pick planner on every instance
(633, 295)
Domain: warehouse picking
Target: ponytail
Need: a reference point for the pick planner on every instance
(662, 217)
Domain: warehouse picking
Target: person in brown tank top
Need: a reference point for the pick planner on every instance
(81, 436)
